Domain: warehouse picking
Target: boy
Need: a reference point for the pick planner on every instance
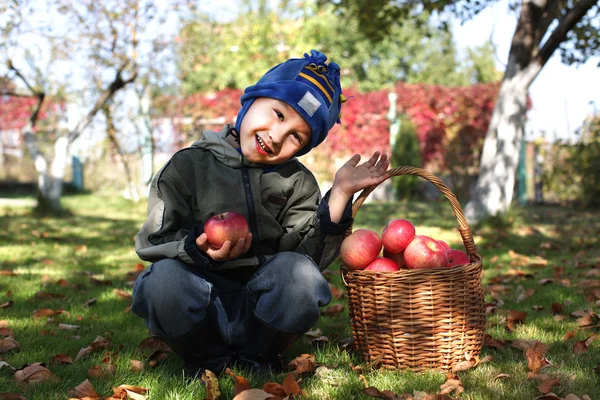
(247, 302)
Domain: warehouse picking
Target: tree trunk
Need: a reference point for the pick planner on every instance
(493, 192)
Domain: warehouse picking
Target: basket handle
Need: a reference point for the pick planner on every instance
(463, 227)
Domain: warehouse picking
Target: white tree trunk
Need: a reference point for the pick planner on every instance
(41, 166)
(57, 175)
(493, 192)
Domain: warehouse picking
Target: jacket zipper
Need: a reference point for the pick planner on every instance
(250, 205)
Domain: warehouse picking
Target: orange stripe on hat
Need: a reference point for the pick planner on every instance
(317, 84)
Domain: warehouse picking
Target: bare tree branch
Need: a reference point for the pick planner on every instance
(567, 23)
(117, 84)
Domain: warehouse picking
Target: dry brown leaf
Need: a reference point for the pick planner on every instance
(489, 341)
(253, 394)
(158, 357)
(580, 347)
(535, 307)
(98, 344)
(85, 389)
(372, 391)
(123, 295)
(11, 396)
(41, 295)
(557, 308)
(571, 396)
(152, 343)
(303, 363)
(3, 323)
(8, 344)
(129, 392)
(452, 385)
(68, 327)
(61, 359)
(333, 310)
(136, 365)
(8, 304)
(463, 365)
(99, 282)
(46, 312)
(4, 332)
(275, 389)
(515, 317)
(212, 385)
(90, 302)
(34, 373)
(522, 344)
(240, 383)
(290, 385)
(7, 272)
(502, 376)
(524, 295)
(536, 357)
(547, 384)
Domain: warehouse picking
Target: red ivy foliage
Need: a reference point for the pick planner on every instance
(16, 111)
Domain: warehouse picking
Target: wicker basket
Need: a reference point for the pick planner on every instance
(418, 319)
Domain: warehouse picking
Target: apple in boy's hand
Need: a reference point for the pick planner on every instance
(397, 234)
(398, 258)
(229, 225)
(457, 257)
(382, 264)
(444, 245)
(360, 248)
(425, 252)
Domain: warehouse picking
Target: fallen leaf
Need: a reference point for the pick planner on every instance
(524, 295)
(3, 323)
(452, 384)
(502, 376)
(303, 363)
(11, 396)
(61, 359)
(136, 366)
(547, 384)
(90, 302)
(537, 308)
(463, 366)
(212, 385)
(130, 392)
(290, 386)
(99, 282)
(68, 327)
(41, 295)
(6, 272)
(46, 312)
(253, 394)
(545, 281)
(6, 332)
(557, 308)
(8, 304)
(85, 389)
(8, 344)
(275, 389)
(515, 317)
(489, 341)
(240, 383)
(123, 295)
(158, 357)
(536, 357)
(153, 343)
(372, 391)
(333, 310)
(34, 373)
(98, 344)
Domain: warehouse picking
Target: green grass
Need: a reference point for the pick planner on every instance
(98, 241)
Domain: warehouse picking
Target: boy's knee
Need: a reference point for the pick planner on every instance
(170, 298)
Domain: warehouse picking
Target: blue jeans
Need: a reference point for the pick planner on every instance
(285, 293)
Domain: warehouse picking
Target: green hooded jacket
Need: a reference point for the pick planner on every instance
(283, 207)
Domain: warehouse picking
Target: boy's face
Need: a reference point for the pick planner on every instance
(272, 132)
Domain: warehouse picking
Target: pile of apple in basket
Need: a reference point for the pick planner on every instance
(402, 248)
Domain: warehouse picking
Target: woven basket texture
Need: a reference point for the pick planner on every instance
(424, 319)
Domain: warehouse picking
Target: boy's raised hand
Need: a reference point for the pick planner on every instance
(227, 252)
(351, 177)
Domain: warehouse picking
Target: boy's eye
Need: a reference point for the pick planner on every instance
(279, 115)
(297, 137)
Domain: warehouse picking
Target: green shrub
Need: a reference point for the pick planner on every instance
(406, 152)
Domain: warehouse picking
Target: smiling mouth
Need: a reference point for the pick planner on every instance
(262, 145)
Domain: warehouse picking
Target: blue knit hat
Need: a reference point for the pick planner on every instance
(309, 86)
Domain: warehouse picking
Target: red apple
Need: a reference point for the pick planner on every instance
(444, 245)
(456, 258)
(382, 264)
(398, 258)
(397, 234)
(229, 225)
(360, 248)
(425, 252)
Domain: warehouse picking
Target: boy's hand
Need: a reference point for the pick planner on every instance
(351, 177)
(227, 252)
